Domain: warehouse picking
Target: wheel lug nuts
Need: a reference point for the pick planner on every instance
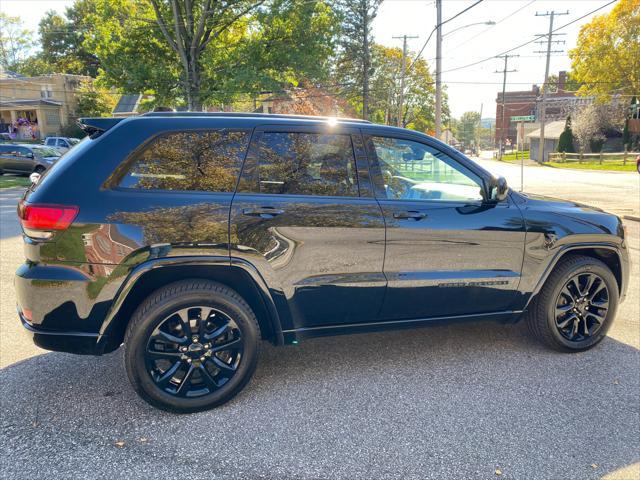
(189, 360)
(207, 345)
(194, 338)
(202, 359)
(183, 349)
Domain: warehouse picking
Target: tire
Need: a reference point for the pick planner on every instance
(548, 325)
(39, 169)
(155, 343)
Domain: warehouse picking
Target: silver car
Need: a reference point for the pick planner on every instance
(25, 159)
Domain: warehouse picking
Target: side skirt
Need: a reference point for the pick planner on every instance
(294, 335)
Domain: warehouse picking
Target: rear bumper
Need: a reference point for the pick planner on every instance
(58, 341)
(59, 309)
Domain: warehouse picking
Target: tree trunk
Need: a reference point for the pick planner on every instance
(365, 61)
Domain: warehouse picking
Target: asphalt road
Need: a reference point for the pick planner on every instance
(443, 402)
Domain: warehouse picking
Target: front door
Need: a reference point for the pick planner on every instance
(305, 218)
(448, 253)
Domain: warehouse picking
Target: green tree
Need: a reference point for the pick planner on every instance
(63, 40)
(94, 101)
(467, 128)
(16, 42)
(607, 55)
(419, 98)
(565, 141)
(189, 27)
(354, 62)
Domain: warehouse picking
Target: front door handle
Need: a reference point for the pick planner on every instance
(406, 214)
(262, 212)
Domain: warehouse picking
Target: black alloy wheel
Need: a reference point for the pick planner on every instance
(576, 306)
(191, 345)
(581, 306)
(194, 351)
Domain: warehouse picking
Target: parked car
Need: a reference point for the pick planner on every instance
(25, 159)
(64, 144)
(192, 237)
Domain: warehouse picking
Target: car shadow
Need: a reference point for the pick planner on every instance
(455, 401)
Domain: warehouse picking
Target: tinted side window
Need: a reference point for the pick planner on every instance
(208, 161)
(306, 164)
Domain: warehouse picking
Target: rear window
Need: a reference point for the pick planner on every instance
(200, 161)
(46, 152)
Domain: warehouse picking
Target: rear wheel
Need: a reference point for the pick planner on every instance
(191, 346)
(39, 169)
(576, 306)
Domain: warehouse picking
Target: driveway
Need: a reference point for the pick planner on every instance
(462, 401)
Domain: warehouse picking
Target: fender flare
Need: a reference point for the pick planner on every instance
(131, 280)
(572, 247)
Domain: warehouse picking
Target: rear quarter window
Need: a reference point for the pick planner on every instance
(189, 161)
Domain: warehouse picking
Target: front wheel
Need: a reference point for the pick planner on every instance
(191, 346)
(576, 306)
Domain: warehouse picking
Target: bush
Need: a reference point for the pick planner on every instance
(565, 142)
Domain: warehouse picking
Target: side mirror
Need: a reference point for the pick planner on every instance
(498, 190)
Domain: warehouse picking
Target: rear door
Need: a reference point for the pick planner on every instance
(448, 253)
(305, 216)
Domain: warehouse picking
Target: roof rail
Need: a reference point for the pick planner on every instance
(251, 115)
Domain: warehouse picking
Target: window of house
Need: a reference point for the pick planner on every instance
(306, 164)
(53, 118)
(415, 171)
(196, 160)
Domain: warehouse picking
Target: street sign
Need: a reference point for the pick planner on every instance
(524, 118)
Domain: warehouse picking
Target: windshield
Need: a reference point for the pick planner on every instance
(45, 152)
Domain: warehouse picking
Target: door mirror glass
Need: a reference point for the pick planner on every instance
(498, 190)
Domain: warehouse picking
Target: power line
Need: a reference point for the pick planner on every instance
(528, 42)
(436, 27)
(515, 12)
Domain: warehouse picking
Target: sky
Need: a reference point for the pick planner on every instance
(468, 88)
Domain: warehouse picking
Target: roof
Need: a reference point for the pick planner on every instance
(551, 130)
(128, 103)
(9, 74)
(30, 102)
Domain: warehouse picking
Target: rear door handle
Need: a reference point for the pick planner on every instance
(406, 214)
(262, 212)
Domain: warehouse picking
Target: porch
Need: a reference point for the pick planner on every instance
(31, 119)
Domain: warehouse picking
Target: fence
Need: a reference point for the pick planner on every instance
(623, 158)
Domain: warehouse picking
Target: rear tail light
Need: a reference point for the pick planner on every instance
(39, 221)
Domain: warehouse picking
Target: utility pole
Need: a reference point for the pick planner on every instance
(543, 106)
(402, 75)
(478, 131)
(438, 68)
(504, 72)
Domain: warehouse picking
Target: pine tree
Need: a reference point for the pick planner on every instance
(565, 142)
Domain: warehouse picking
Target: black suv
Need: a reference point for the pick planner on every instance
(192, 237)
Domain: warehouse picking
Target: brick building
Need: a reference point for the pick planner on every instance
(527, 102)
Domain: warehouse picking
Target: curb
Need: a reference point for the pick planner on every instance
(631, 217)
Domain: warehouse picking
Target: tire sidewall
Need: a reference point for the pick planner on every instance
(135, 349)
(612, 287)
